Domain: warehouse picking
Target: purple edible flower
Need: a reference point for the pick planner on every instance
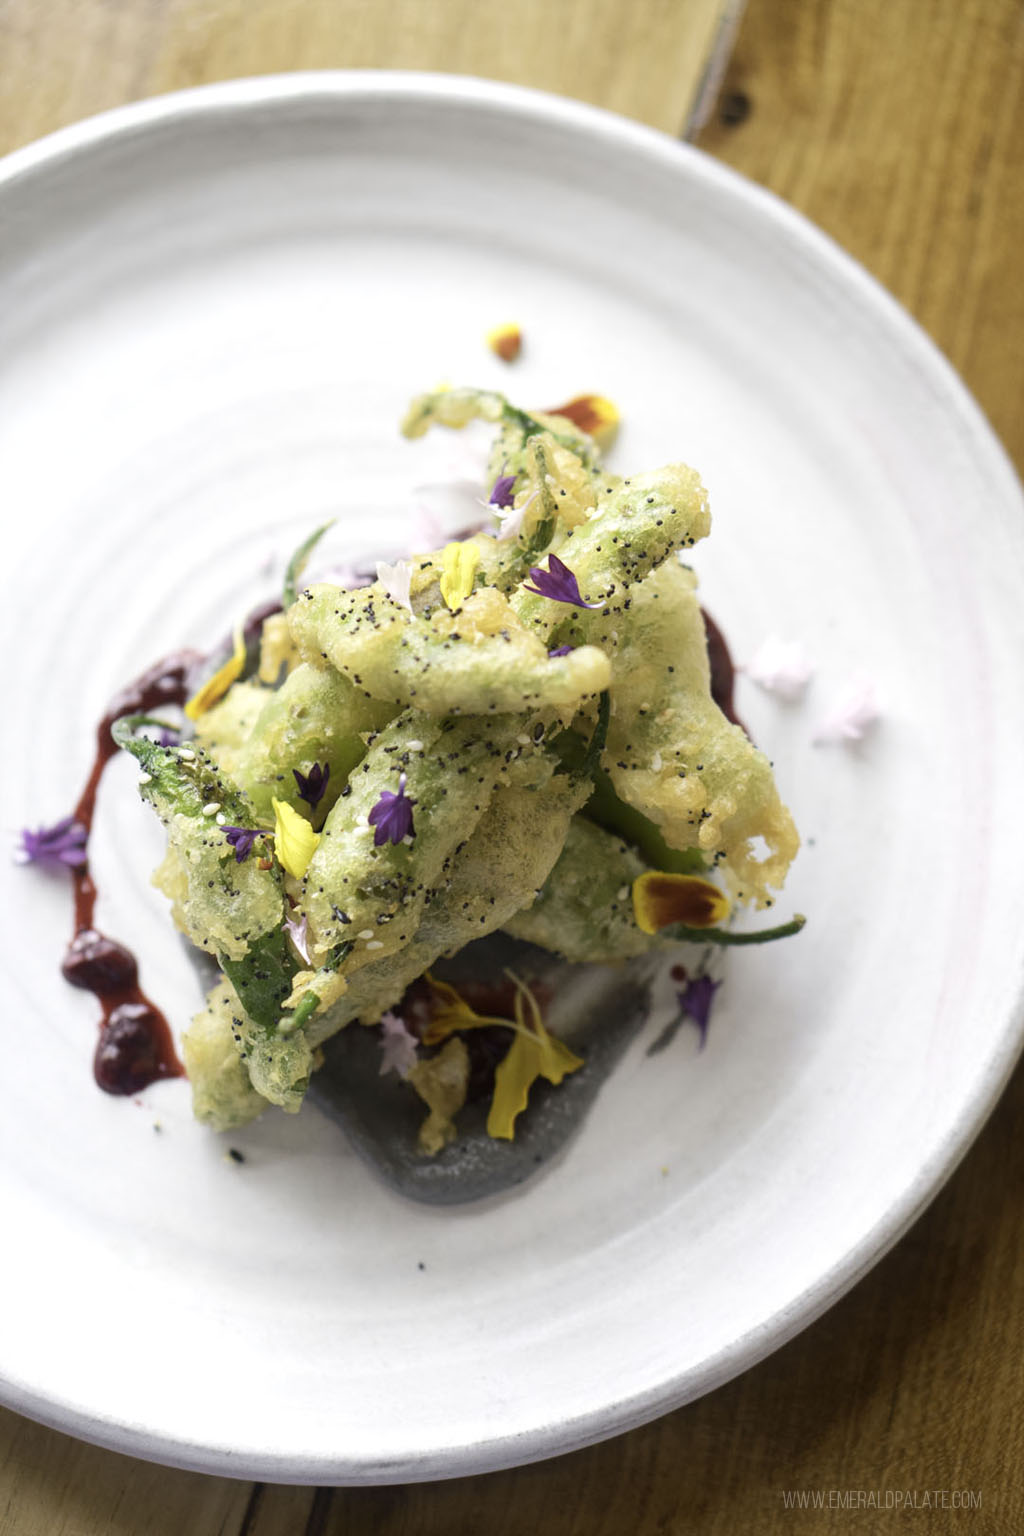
(502, 491)
(695, 1002)
(168, 737)
(558, 583)
(561, 650)
(62, 844)
(241, 840)
(392, 816)
(312, 784)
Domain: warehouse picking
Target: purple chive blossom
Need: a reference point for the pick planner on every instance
(241, 840)
(312, 784)
(695, 1002)
(63, 844)
(392, 816)
(561, 650)
(558, 583)
(502, 491)
(168, 737)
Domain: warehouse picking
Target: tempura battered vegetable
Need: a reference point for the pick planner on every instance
(480, 661)
(374, 895)
(316, 716)
(513, 732)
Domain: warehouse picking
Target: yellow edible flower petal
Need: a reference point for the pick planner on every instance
(530, 1056)
(534, 1052)
(506, 342)
(659, 900)
(594, 414)
(441, 1083)
(458, 567)
(217, 686)
(452, 1014)
(295, 842)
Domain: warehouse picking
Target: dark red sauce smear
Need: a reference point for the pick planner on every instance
(135, 1046)
(723, 673)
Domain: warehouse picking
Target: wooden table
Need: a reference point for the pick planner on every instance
(897, 125)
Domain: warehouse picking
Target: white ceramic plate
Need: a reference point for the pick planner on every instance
(212, 310)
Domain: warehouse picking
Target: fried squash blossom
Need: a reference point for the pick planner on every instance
(515, 731)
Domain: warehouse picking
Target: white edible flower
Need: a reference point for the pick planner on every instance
(395, 580)
(855, 710)
(510, 519)
(298, 932)
(781, 667)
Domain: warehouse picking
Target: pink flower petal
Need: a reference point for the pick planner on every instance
(397, 1045)
(855, 709)
(780, 667)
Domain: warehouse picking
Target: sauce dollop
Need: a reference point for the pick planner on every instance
(135, 1047)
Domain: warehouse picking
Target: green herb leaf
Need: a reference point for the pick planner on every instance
(263, 978)
(529, 426)
(298, 562)
(727, 936)
(599, 736)
(179, 783)
(304, 1010)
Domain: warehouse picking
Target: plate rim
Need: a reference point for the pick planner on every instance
(278, 94)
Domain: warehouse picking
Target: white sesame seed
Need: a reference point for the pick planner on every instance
(407, 840)
(524, 741)
(375, 944)
(221, 819)
(187, 754)
(212, 808)
(145, 778)
(414, 746)
(622, 893)
(286, 1025)
(366, 933)
(656, 762)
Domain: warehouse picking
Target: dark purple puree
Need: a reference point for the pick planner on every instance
(723, 673)
(135, 1047)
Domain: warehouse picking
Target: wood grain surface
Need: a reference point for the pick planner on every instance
(898, 126)
(64, 59)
